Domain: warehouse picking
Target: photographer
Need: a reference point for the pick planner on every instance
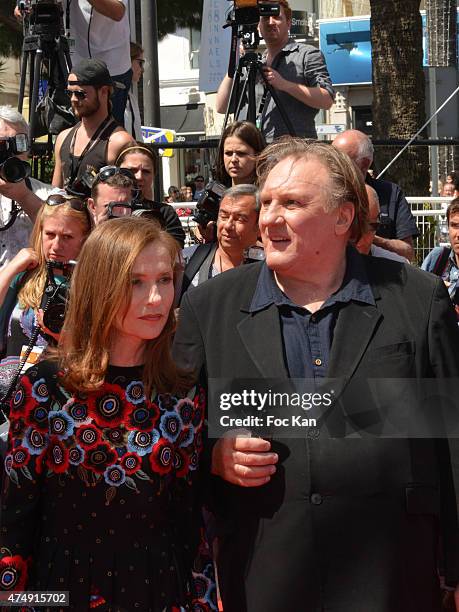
(26, 194)
(99, 29)
(142, 162)
(111, 187)
(299, 74)
(59, 232)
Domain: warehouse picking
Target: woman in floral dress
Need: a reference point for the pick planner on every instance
(100, 491)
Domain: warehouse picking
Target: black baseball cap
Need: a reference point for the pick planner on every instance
(91, 72)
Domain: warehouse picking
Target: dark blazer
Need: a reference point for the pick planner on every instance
(349, 525)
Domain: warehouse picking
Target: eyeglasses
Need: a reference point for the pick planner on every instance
(374, 225)
(57, 199)
(78, 93)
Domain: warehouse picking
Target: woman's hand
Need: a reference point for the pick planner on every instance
(26, 259)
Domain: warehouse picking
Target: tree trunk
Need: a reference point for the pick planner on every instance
(399, 90)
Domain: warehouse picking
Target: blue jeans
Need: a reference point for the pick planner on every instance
(120, 96)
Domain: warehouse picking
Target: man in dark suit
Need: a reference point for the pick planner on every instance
(361, 524)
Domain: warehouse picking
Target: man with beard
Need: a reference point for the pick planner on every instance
(97, 139)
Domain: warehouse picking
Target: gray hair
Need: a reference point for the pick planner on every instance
(365, 149)
(242, 190)
(8, 114)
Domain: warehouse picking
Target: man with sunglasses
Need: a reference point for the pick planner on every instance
(97, 139)
(112, 185)
(366, 244)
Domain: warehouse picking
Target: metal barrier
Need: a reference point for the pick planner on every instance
(429, 213)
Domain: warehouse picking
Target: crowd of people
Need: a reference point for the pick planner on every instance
(114, 487)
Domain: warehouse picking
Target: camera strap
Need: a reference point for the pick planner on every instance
(75, 168)
(15, 210)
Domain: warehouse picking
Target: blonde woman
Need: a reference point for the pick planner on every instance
(59, 232)
(103, 470)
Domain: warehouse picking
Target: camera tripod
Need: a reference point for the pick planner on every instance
(251, 61)
(49, 48)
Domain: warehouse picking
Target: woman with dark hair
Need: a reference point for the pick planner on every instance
(143, 163)
(240, 144)
(99, 497)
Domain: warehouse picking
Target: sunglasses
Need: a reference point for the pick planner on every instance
(108, 171)
(75, 204)
(58, 199)
(374, 225)
(78, 93)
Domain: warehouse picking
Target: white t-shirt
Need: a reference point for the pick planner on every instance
(17, 236)
(100, 37)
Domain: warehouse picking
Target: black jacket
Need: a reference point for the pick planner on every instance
(350, 525)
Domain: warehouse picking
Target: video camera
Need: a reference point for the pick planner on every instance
(55, 295)
(44, 18)
(13, 169)
(208, 204)
(248, 12)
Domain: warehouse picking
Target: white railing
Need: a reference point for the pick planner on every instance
(429, 213)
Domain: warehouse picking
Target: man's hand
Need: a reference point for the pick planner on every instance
(244, 461)
(274, 78)
(13, 191)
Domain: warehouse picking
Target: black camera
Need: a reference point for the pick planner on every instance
(45, 18)
(248, 12)
(81, 186)
(13, 169)
(55, 295)
(208, 204)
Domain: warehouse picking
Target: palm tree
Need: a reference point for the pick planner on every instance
(399, 89)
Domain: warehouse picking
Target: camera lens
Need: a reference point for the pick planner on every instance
(14, 170)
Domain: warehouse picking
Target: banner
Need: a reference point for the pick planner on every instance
(160, 136)
(215, 44)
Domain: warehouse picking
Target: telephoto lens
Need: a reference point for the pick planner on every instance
(14, 170)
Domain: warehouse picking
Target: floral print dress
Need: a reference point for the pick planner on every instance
(100, 495)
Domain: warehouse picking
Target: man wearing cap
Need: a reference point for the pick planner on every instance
(97, 139)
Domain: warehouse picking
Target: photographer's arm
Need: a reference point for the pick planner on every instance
(315, 97)
(20, 193)
(223, 94)
(113, 9)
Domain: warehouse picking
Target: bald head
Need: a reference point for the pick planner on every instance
(365, 242)
(358, 146)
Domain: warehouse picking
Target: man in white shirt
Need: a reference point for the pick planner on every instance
(19, 202)
(99, 29)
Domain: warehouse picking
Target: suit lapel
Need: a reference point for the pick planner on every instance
(261, 335)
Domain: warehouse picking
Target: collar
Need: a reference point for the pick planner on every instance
(291, 46)
(355, 287)
(452, 258)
